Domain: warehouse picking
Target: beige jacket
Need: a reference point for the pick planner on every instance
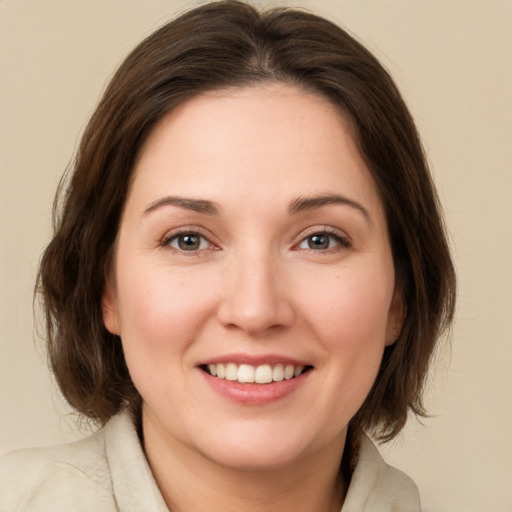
(108, 472)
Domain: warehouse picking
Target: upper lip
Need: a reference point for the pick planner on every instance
(254, 360)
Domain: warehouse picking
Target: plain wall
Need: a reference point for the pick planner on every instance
(452, 60)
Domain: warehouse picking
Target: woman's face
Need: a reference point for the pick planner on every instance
(253, 247)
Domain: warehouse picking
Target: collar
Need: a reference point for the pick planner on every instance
(375, 486)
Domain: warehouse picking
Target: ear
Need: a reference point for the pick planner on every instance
(396, 317)
(109, 308)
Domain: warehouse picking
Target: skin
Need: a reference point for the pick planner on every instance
(255, 284)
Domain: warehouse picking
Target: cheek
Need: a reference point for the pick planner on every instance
(350, 309)
(348, 317)
(161, 310)
(161, 316)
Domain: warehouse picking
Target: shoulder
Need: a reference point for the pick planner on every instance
(75, 476)
(379, 486)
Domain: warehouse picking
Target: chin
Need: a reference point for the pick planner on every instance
(239, 458)
(257, 451)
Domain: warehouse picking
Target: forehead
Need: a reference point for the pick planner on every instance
(271, 138)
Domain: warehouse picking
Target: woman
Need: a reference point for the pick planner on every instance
(248, 273)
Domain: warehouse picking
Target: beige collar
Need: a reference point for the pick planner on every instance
(375, 486)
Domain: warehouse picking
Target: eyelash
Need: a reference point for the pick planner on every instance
(340, 241)
(167, 241)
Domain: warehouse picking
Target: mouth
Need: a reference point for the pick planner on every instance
(260, 374)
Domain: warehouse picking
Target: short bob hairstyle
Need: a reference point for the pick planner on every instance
(226, 45)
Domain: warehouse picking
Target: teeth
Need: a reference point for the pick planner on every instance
(221, 371)
(231, 371)
(246, 373)
(263, 374)
(278, 373)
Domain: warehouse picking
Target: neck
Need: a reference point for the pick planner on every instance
(189, 481)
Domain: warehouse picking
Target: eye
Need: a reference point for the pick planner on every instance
(322, 241)
(188, 241)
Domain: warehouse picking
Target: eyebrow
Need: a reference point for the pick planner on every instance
(302, 204)
(299, 205)
(196, 205)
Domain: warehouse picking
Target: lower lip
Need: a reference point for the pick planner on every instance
(255, 394)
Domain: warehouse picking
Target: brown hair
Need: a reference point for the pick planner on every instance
(230, 44)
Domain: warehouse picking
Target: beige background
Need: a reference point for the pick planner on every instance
(452, 59)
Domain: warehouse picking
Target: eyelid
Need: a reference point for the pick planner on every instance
(343, 239)
(193, 230)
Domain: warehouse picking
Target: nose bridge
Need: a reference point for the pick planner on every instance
(255, 298)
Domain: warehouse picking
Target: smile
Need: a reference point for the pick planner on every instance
(249, 374)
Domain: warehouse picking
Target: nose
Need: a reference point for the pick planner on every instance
(255, 298)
